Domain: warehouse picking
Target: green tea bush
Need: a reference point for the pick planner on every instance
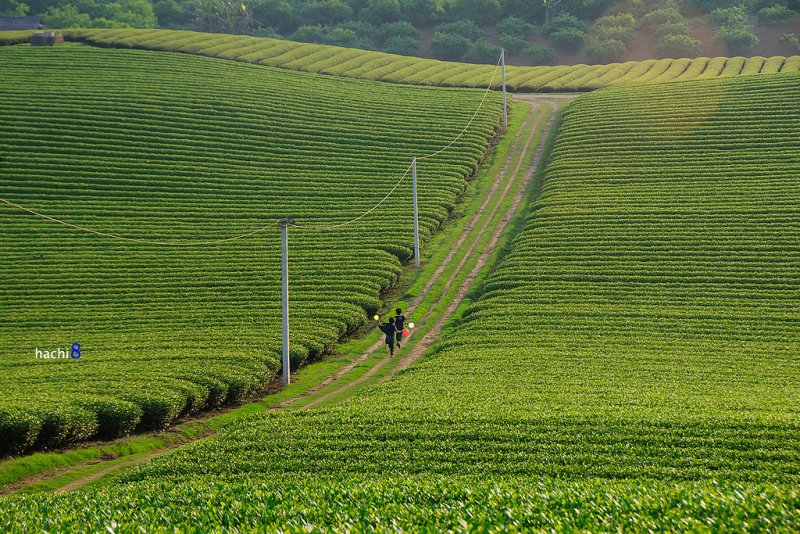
(173, 154)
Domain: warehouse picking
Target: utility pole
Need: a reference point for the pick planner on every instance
(503, 70)
(284, 224)
(416, 213)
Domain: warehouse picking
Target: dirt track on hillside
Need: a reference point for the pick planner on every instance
(430, 337)
(525, 135)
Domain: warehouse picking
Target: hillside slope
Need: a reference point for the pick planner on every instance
(167, 147)
(355, 63)
(632, 363)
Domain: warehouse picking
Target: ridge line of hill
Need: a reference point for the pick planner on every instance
(381, 66)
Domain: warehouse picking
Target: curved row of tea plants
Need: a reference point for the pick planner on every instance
(355, 63)
(417, 503)
(173, 147)
(632, 363)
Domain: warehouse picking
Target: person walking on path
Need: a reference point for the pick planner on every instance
(389, 329)
(399, 323)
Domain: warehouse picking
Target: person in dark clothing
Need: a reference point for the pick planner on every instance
(389, 329)
(399, 322)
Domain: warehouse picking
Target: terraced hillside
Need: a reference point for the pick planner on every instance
(171, 147)
(631, 364)
(355, 63)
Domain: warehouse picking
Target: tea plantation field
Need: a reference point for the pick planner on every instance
(371, 65)
(631, 364)
(172, 147)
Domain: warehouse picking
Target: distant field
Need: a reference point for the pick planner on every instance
(632, 363)
(174, 147)
(354, 63)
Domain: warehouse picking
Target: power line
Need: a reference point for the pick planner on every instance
(474, 115)
(427, 156)
(272, 224)
(136, 240)
(351, 221)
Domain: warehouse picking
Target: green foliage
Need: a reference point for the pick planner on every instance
(361, 28)
(564, 22)
(225, 16)
(172, 14)
(482, 52)
(617, 33)
(346, 37)
(449, 45)
(595, 384)
(329, 12)
(117, 14)
(661, 16)
(678, 46)
(66, 17)
(487, 11)
(381, 11)
(378, 66)
(673, 28)
(738, 38)
(515, 27)
(310, 33)
(790, 39)
(413, 503)
(280, 14)
(624, 20)
(19, 429)
(540, 54)
(158, 147)
(566, 32)
(605, 51)
(754, 6)
(398, 29)
(514, 45)
(568, 39)
(710, 5)
(463, 28)
(729, 16)
(634, 8)
(421, 12)
(774, 13)
(655, 5)
(13, 8)
(403, 45)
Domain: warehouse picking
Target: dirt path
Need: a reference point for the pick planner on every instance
(526, 134)
(378, 345)
(476, 216)
(431, 335)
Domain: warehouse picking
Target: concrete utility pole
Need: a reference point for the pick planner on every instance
(284, 224)
(416, 213)
(503, 70)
